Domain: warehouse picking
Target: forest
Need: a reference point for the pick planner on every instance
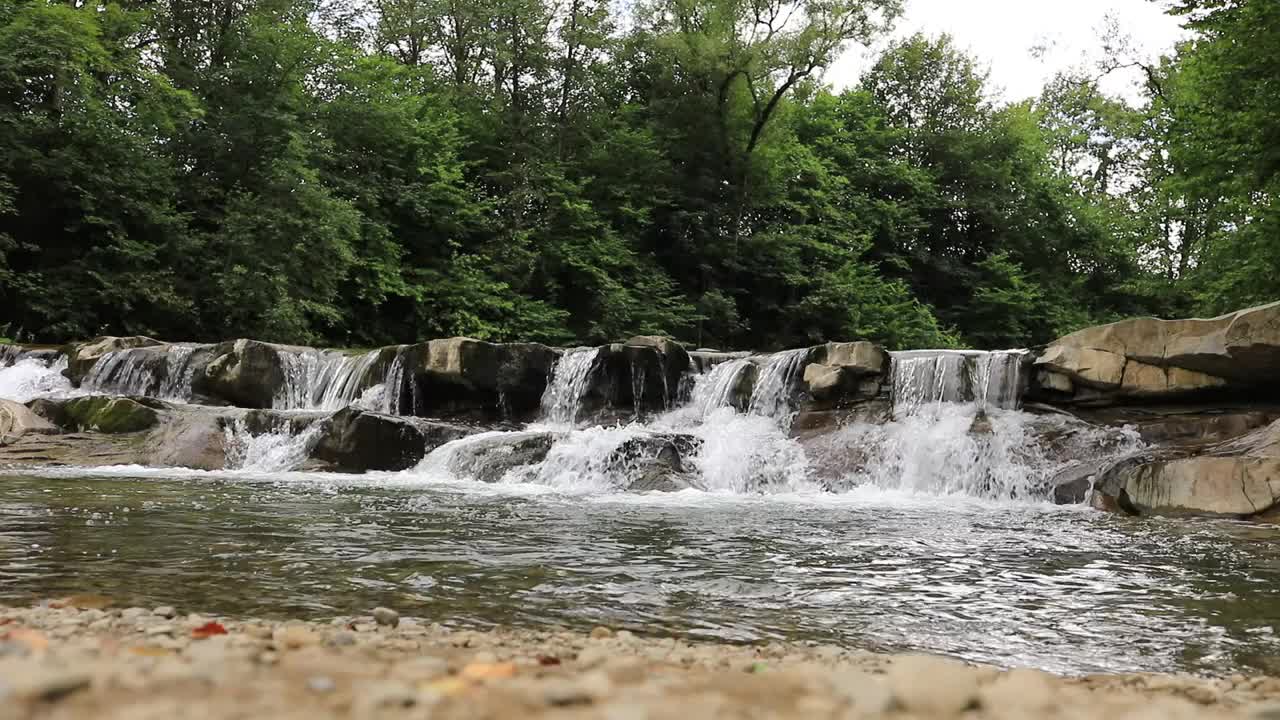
(364, 172)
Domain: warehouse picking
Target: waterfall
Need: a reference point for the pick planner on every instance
(923, 378)
(776, 384)
(323, 380)
(568, 385)
(160, 372)
(28, 378)
(280, 450)
(393, 403)
(10, 354)
(716, 389)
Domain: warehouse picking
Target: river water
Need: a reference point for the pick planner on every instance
(1066, 589)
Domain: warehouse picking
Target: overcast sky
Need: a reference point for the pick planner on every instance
(1003, 33)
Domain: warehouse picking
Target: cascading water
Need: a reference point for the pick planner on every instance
(929, 377)
(280, 450)
(568, 385)
(325, 380)
(720, 387)
(160, 372)
(776, 384)
(28, 378)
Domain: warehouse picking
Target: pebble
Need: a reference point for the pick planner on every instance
(159, 630)
(951, 688)
(50, 686)
(294, 637)
(601, 633)
(344, 638)
(133, 613)
(584, 690)
(165, 611)
(321, 684)
(386, 616)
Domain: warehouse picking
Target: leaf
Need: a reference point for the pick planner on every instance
(208, 629)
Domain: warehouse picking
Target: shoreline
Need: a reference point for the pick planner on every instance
(79, 657)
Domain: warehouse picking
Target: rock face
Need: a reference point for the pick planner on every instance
(461, 377)
(490, 457)
(1237, 478)
(109, 415)
(81, 357)
(355, 440)
(1145, 359)
(18, 420)
(245, 373)
(841, 375)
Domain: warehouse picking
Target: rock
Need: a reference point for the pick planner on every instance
(18, 420)
(674, 361)
(109, 415)
(842, 375)
(321, 684)
(356, 440)
(81, 357)
(386, 616)
(294, 637)
(585, 689)
(188, 437)
(601, 633)
(461, 377)
(654, 463)
(488, 458)
(1146, 358)
(165, 611)
(1236, 478)
(933, 687)
(245, 373)
(48, 685)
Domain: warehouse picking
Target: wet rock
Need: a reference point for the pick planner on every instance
(466, 378)
(81, 357)
(245, 373)
(18, 420)
(490, 458)
(386, 616)
(109, 415)
(842, 375)
(165, 611)
(673, 362)
(1236, 478)
(355, 440)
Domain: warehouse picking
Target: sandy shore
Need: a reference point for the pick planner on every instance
(75, 658)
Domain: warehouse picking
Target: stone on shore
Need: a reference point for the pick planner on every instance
(18, 420)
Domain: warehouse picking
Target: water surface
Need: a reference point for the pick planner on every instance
(1066, 589)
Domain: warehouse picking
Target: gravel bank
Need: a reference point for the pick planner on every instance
(76, 658)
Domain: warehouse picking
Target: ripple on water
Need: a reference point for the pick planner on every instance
(1019, 584)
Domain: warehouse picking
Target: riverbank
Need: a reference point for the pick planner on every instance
(77, 658)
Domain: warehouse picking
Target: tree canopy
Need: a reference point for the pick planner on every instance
(359, 172)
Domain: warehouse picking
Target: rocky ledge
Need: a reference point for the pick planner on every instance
(78, 658)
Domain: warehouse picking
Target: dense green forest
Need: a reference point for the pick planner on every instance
(360, 172)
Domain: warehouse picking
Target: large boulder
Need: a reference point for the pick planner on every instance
(188, 437)
(655, 463)
(81, 357)
(841, 375)
(245, 373)
(1144, 359)
(674, 362)
(108, 415)
(1237, 478)
(355, 440)
(18, 420)
(490, 456)
(461, 377)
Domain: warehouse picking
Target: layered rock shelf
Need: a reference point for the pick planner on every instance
(1200, 394)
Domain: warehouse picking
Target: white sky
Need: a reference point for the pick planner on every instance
(1003, 33)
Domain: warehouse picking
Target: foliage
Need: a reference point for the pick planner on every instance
(361, 172)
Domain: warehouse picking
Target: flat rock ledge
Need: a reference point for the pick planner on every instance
(75, 658)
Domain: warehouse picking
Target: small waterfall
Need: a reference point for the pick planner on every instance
(160, 372)
(10, 354)
(281, 450)
(776, 384)
(568, 385)
(716, 389)
(323, 380)
(28, 378)
(923, 378)
(637, 389)
(393, 395)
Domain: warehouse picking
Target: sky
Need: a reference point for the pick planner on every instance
(1002, 33)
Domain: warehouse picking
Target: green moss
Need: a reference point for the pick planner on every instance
(109, 415)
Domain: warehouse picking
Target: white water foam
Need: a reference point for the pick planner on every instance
(281, 450)
(568, 385)
(30, 378)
